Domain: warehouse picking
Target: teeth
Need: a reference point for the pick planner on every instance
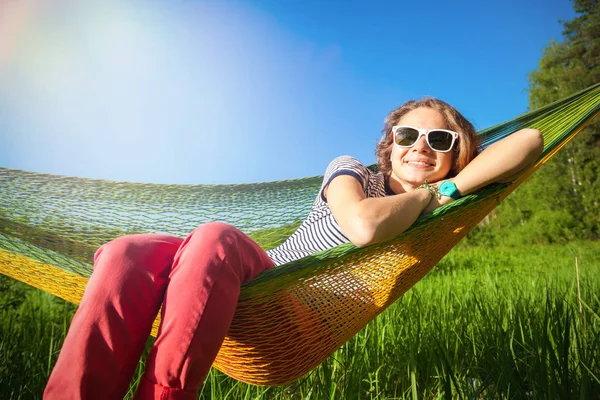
(418, 163)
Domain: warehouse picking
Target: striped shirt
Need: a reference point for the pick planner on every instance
(320, 231)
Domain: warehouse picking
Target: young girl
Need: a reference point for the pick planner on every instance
(426, 158)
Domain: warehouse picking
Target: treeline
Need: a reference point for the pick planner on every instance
(560, 202)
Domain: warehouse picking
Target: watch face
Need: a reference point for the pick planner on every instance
(448, 188)
(444, 188)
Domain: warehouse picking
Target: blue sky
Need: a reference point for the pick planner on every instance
(246, 91)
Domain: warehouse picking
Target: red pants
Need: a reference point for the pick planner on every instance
(197, 282)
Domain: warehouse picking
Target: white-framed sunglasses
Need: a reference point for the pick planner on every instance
(440, 140)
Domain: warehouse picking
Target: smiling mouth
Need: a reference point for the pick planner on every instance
(420, 163)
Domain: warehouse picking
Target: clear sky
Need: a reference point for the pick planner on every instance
(246, 91)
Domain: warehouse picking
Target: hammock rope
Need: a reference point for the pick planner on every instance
(290, 318)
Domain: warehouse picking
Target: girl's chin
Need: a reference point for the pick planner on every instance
(419, 179)
(416, 180)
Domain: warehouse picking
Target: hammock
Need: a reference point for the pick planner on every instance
(290, 318)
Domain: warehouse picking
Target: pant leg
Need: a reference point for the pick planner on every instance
(199, 304)
(110, 329)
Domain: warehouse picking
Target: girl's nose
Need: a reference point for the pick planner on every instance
(421, 144)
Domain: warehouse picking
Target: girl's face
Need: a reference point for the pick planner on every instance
(412, 165)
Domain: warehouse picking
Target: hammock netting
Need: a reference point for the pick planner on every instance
(290, 318)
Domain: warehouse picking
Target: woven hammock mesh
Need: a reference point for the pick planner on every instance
(290, 318)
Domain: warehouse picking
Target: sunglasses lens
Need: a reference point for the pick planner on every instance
(440, 140)
(406, 136)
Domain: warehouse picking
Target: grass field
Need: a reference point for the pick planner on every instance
(485, 323)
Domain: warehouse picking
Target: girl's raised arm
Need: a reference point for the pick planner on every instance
(500, 162)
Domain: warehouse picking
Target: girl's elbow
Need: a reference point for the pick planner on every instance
(534, 141)
(361, 233)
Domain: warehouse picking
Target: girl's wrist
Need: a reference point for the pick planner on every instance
(432, 189)
(460, 184)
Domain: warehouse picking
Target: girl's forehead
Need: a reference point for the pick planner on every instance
(423, 117)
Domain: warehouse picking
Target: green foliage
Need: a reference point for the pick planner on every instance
(561, 200)
(33, 325)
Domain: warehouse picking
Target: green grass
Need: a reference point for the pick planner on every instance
(485, 323)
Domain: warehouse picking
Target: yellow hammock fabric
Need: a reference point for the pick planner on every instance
(290, 318)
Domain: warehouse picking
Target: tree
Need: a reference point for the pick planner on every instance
(561, 201)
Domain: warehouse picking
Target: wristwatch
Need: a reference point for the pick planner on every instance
(448, 188)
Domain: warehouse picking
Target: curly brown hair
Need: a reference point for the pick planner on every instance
(464, 151)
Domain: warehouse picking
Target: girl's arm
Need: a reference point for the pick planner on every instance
(371, 220)
(500, 162)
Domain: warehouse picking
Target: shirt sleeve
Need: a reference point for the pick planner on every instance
(345, 165)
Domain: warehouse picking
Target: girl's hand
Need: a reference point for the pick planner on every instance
(435, 203)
